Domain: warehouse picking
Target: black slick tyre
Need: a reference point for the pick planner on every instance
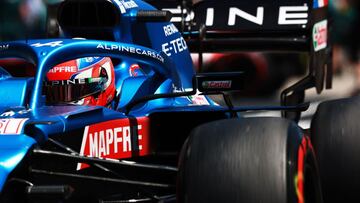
(335, 133)
(248, 160)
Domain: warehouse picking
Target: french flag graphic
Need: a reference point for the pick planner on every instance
(320, 3)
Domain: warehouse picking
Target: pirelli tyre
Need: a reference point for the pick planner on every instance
(335, 133)
(248, 160)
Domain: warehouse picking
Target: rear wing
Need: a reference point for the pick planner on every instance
(265, 23)
(257, 25)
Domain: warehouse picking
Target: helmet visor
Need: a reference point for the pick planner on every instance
(64, 91)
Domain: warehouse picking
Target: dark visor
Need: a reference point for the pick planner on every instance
(60, 91)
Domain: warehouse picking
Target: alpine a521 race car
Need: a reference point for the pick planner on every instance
(113, 111)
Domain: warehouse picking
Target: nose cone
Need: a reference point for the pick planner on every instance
(13, 149)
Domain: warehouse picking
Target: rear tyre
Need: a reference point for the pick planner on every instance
(248, 160)
(335, 133)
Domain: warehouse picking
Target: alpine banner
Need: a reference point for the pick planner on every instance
(243, 15)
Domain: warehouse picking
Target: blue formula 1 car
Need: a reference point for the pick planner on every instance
(119, 115)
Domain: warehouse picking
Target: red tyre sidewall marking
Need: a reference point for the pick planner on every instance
(300, 173)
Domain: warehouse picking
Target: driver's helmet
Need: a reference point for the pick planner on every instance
(84, 81)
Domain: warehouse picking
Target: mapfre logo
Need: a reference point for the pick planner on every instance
(64, 69)
(116, 139)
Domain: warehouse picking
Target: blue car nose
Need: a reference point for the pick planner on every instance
(13, 149)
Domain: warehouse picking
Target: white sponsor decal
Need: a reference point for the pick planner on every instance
(293, 15)
(287, 15)
(61, 69)
(4, 47)
(125, 5)
(11, 113)
(170, 30)
(174, 46)
(49, 44)
(177, 11)
(67, 82)
(113, 139)
(320, 35)
(8, 114)
(133, 50)
(90, 59)
(100, 142)
(234, 12)
(12, 126)
(209, 17)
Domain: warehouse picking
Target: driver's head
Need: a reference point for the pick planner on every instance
(84, 81)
